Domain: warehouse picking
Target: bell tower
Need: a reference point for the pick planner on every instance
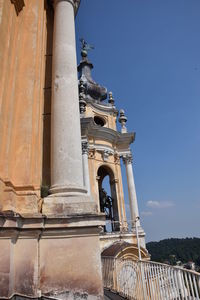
(104, 152)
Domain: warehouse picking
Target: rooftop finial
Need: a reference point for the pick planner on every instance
(111, 99)
(122, 119)
(85, 47)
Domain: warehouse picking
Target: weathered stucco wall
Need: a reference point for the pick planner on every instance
(71, 271)
(62, 263)
(24, 66)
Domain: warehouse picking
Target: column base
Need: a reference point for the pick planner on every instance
(69, 204)
(66, 190)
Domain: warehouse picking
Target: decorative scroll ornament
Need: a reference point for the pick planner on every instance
(106, 154)
(91, 153)
(116, 158)
(85, 149)
(19, 4)
(127, 159)
(82, 102)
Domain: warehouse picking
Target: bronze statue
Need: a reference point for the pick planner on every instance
(85, 47)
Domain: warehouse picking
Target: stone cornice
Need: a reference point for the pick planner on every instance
(121, 140)
(102, 107)
(34, 223)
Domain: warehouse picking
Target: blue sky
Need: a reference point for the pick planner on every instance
(147, 52)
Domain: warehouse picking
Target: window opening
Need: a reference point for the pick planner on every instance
(99, 121)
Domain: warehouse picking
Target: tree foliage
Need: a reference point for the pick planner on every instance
(173, 250)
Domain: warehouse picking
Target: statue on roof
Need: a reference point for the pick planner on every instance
(94, 91)
(85, 47)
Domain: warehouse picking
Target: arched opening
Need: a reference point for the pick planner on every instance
(108, 198)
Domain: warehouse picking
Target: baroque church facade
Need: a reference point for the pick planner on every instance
(59, 141)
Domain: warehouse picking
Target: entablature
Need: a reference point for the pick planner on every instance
(121, 141)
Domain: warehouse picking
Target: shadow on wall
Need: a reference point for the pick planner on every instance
(46, 167)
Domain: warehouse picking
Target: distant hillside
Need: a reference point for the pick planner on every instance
(175, 249)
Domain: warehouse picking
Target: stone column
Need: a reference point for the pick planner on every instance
(86, 176)
(131, 189)
(66, 158)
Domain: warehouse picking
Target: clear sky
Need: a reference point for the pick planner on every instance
(147, 52)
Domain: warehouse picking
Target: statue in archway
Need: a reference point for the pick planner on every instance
(106, 204)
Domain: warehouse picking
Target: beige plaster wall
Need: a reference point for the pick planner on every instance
(22, 81)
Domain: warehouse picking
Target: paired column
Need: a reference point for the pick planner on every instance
(68, 194)
(131, 189)
(66, 158)
(86, 175)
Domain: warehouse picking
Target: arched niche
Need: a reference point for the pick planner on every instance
(108, 198)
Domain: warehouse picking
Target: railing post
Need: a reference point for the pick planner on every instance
(195, 286)
(137, 237)
(143, 280)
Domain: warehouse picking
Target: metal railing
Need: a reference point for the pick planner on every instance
(146, 280)
(118, 226)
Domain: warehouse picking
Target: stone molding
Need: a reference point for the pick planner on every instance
(27, 225)
(101, 148)
(103, 107)
(19, 4)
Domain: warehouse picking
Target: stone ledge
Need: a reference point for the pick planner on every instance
(51, 222)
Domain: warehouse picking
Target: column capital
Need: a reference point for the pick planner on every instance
(85, 148)
(127, 159)
(75, 3)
